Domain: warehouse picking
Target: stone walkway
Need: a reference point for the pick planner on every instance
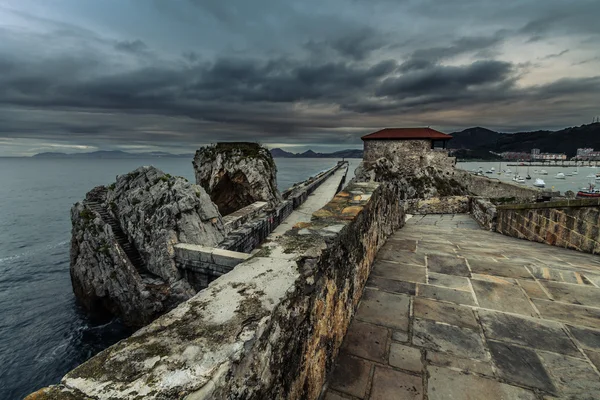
(315, 201)
(455, 312)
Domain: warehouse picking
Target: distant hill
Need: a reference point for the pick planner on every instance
(111, 154)
(471, 137)
(349, 153)
(566, 140)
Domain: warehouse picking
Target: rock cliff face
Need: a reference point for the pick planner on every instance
(417, 182)
(236, 175)
(122, 243)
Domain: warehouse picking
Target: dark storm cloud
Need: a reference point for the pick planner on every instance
(134, 46)
(447, 79)
(283, 72)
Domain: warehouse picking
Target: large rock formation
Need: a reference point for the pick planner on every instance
(417, 182)
(122, 243)
(236, 175)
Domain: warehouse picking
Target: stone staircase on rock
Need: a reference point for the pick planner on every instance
(95, 204)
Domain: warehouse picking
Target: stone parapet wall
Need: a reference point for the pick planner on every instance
(484, 212)
(574, 224)
(254, 231)
(493, 188)
(238, 218)
(247, 237)
(271, 328)
(201, 265)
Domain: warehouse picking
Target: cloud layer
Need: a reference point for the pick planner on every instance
(176, 75)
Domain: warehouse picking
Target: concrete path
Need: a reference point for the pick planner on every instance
(315, 201)
(454, 312)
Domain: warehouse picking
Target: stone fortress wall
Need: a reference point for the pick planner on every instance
(248, 228)
(574, 224)
(270, 328)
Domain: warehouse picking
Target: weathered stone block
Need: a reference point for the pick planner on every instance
(444, 312)
(389, 384)
(502, 297)
(405, 357)
(367, 341)
(532, 332)
(351, 376)
(521, 366)
(444, 384)
(448, 339)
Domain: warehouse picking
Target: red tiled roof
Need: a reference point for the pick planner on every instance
(406, 133)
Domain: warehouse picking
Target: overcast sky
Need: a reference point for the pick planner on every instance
(172, 75)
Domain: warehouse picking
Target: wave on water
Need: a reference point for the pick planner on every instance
(31, 253)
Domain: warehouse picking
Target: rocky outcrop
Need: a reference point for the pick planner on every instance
(418, 183)
(122, 256)
(236, 175)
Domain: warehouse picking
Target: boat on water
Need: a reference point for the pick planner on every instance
(539, 182)
(589, 192)
(591, 176)
(543, 172)
(508, 171)
(490, 171)
(598, 176)
(528, 177)
(560, 175)
(518, 179)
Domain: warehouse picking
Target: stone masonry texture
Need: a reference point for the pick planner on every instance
(570, 224)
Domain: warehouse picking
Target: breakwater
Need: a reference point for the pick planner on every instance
(270, 328)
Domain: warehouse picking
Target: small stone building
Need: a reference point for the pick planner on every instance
(411, 148)
(393, 141)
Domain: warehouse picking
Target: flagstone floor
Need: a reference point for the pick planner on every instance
(455, 312)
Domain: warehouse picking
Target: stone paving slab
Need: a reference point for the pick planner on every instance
(499, 268)
(471, 314)
(502, 297)
(404, 272)
(444, 384)
(452, 314)
(385, 309)
(445, 294)
(578, 315)
(520, 365)
(586, 295)
(532, 332)
(449, 281)
(452, 339)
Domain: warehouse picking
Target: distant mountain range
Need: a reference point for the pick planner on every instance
(479, 141)
(474, 142)
(349, 153)
(112, 154)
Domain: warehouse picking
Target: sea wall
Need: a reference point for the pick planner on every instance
(254, 231)
(493, 188)
(270, 328)
(574, 224)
